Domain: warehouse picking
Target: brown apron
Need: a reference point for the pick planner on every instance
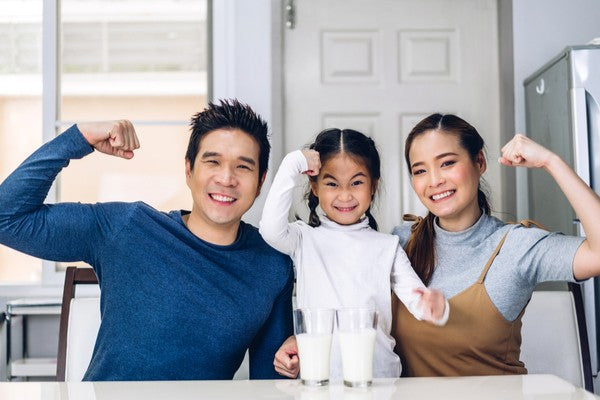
(477, 340)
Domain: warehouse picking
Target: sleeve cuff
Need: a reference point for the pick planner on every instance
(79, 147)
(299, 161)
(442, 321)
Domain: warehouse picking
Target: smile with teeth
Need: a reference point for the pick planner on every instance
(440, 196)
(345, 209)
(222, 198)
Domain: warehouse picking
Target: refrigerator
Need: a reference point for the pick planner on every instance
(562, 113)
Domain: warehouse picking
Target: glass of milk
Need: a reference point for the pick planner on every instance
(356, 333)
(313, 328)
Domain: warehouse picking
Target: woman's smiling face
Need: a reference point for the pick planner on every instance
(446, 179)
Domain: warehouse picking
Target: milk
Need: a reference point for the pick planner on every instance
(357, 355)
(314, 350)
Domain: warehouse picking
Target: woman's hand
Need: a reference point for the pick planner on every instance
(286, 360)
(314, 162)
(433, 305)
(521, 151)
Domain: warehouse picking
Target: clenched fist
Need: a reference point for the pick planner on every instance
(521, 151)
(116, 138)
(313, 159)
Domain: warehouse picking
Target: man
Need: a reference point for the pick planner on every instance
(183, 294)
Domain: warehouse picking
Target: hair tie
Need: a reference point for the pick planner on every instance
(413, 218)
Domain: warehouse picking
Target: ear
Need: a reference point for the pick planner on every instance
(374, 187)
(260, 183)
(481, 162)
(314, 188)
(188, 172)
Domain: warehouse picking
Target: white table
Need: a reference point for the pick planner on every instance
(532, 387)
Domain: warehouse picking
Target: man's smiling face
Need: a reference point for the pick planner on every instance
(224, 182)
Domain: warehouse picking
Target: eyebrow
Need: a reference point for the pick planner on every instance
(247, 160)
(354, 176)
(208, 154)
(436, 157)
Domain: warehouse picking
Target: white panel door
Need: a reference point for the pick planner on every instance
(379, 66)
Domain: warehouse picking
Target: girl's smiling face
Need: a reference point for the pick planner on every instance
(446, 179)
(344, 188)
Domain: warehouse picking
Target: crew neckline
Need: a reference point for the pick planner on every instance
(464, 236)
(236, 243)
(362, 224)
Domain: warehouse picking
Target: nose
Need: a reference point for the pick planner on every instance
(226, 177)
(436, 178)
(345, 195)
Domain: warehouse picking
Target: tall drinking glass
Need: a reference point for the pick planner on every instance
(356, 331)
(313, 328)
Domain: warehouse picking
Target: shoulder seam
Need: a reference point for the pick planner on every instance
(135, 206)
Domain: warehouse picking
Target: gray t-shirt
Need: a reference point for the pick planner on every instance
(529, 256)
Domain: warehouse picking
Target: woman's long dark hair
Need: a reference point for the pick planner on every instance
(420, 247)
(332, 142)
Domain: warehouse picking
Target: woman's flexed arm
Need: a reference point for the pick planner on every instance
(523, 152)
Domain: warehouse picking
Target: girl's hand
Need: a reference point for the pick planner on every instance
(314, 162)
(432, 303)
(521, 151)
(286, 360)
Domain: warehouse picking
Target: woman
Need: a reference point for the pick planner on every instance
(487, 269)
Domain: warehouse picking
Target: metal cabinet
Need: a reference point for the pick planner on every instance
(21, 310)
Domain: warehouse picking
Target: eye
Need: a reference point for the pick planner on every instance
(243, 166)
(356, 183)
(448, 163)
(331, 184)
(214, 162)
(418, 172)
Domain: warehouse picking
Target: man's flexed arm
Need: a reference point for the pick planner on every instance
(64, 231)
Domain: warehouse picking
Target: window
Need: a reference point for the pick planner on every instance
(119, 59)
(20, 108)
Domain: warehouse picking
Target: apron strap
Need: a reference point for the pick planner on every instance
(491, 260)
(527, 223)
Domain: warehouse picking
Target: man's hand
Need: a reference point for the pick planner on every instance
(286, 359)
(116, 138)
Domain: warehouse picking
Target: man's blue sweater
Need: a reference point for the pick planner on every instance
(173, 306)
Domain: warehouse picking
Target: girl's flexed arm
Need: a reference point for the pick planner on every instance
(524, 152)
(274, 226)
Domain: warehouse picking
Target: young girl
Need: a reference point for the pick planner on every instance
(340, 258)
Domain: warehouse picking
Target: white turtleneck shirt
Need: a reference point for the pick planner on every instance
(339, 266)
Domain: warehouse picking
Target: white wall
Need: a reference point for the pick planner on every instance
(541, 29)
(247, 62)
